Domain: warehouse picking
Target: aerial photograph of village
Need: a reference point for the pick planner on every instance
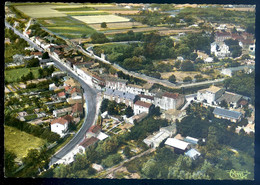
(129, 91)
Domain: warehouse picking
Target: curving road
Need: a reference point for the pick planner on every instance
(90, 96)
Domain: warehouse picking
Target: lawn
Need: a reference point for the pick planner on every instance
(20, 142)
(14, 75)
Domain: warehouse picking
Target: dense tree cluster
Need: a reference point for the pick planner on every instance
(129, 36)
(234, 47)
(242, 83)
(35, 130)
(114, 108)
(98, 38)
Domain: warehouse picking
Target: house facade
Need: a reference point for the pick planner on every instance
(141, 106)
(168, 100)
(59, 126)
(210, 94)
(219, 49)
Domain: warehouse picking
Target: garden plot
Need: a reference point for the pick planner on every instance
(40, 11)
(101, 18)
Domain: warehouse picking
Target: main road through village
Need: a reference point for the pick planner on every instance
(90, 97)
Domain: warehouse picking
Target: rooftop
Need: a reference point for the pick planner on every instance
(192, 153)
(61, 121)
(94, 129)
(63, 110)
(227, 113)
(68, 118)
(229, 97)
(145, 96)
(121, 94)
(171, 95)
(143, 104)
(212, 89)
(176, 143)
(88, 141)
(77, 107)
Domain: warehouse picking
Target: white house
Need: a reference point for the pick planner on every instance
(141, 106)
(146, 98)
(59, 126)
(83, 72)
(87, 142)
(168, 100)
(210, 94)
(219, 49)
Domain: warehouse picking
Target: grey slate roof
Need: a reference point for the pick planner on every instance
(230, 97)
(120, 94)
(227, 113)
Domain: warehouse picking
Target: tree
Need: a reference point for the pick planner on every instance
(9, 167)
(127, 152)
(103, 25)
(172, 79)
(45, 55)
(129, 112)
(98, 38)
(187, 66)
(111, 160)
(187, 79)
(149, 169)
(33, 62)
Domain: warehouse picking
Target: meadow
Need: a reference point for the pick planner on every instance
(40, 11)
(20, 142)
(119, 25)
(14, 75)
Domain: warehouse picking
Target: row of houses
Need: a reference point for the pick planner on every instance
(65, 116)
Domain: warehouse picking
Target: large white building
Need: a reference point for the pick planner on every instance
(219, 49)
(168, 100)
(210, 94)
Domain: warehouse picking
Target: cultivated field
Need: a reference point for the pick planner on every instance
(100, 19)
(123, 12)
(67, 27)
(170, 31)
(147, 29)
(82, 13)
(180, 75)
(40, 11)
(20, 142)
(120, 25)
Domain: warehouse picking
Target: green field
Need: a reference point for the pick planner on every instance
(20, 142)
(14, 75)
(66, 27)
(86, 13)
(75, 9)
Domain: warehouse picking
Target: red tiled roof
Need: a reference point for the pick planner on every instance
(77, 108)
(94, 129)
(36, 53)
(171, 95)
(143, 104)
(88, 141)
(67, 88)
(61, 94)
(243, 102)
(98, 78)
(75, 90)
(145, 96)
(68, 118)
(221, 34)
(61, 121)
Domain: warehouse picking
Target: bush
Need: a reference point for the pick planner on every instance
(111, 160)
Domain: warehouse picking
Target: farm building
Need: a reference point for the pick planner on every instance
(178, 145)
(193, 153)
(233, 116)
(232, 99)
